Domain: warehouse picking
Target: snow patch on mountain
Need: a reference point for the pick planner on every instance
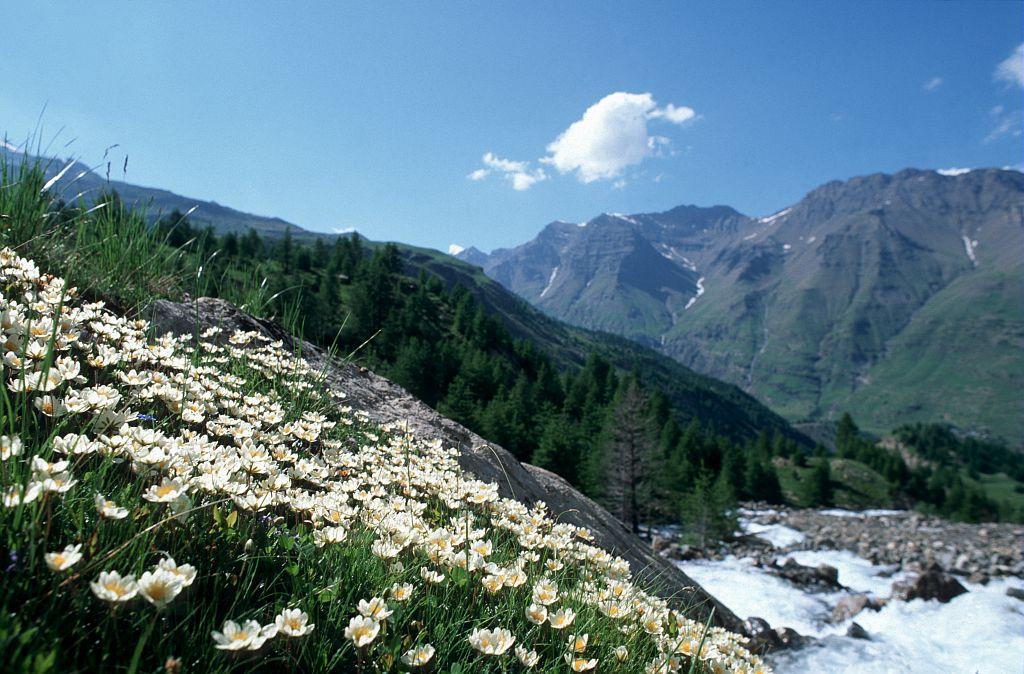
(623, 216)
(772, 218)
(969, 245)
(670, 253)
(551, 279)
(455, 249)
(700, 291)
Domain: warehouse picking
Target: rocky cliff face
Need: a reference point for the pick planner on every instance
(853, 299)
(385, 401)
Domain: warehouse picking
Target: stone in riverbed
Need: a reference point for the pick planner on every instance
(932, 583)
(978, 578)
(851, 605)
(857, 632)
(762, 636)
(790, 638)
(1015, 592)
(822, 578)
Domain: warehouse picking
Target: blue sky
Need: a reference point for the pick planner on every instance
(335, 115)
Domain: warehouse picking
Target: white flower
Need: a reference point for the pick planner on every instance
(49, 405)
(562, 618)
(545, 592)
(431, 576)
(491, 642)
(536, 613)
(578, 642)
(362, 630)
(376, 608)
(235, 637)
(185, 573)
(159, 587)
(165, 492)
(400, 592)
(16, 495)
(419, 656)
(61, 561)
(580, 664)
(112, 587)
(528, 658)
(293, 622)
(10, 446)
(109, 509)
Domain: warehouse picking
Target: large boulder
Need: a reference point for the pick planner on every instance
(385, 401)
(932, 583)
(822, 578)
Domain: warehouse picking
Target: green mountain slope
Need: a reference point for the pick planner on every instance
(898, 297)
(723, 405)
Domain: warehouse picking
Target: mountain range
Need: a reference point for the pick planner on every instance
(898, 298)
(74, 180)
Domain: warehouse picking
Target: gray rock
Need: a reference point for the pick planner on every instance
(851, 605)
(933, 583)
(820, 579)
(385, 402)
(790, 638)
(1015, 592)
(762, 636)
(978, 578)
(857, 632)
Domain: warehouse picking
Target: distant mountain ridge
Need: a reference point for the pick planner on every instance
(78, 181)
(897, 297)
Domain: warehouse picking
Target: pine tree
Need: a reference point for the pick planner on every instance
(816, 488)
(285, 251)
(559, 448)
(847, 435)
(708, 511)
(631, 463)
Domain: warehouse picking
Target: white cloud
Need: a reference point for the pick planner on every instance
(506, 165)
(455, 249)
(343, 230)
(932, 84)
(619, 184)
(953, 171)
(611, 136)
(1011, 70)
(673, 114)
(1006, 124)
(518, 173)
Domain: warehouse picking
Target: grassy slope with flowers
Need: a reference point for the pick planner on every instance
(177, 505)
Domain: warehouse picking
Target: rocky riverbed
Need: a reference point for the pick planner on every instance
(835, 590)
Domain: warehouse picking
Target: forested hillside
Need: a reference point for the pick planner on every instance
(562, 408)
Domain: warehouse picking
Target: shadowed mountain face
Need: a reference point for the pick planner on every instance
(898, 298)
